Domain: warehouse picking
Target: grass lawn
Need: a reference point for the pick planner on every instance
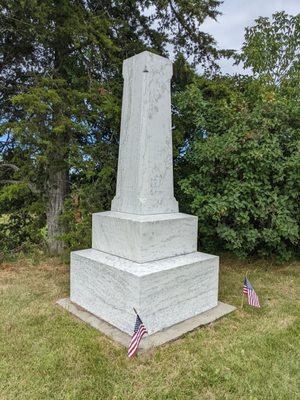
(251, 354)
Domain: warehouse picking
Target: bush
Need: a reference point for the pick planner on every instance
(22, 219)
(240, 173)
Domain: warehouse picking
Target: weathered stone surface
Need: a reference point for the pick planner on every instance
(144, 252)
(164, 292)
(143, 238)
(145, 166)
(156, 339)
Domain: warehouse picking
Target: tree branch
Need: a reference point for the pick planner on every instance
(11, 166)
(182, 21)
(30, 185)
(12, 181)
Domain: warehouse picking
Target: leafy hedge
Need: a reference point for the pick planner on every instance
(240, 174)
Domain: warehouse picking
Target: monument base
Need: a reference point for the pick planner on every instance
(158, 338)
(144, 238)
(164, 292)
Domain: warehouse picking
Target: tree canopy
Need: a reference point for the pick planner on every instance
(236, 139)
(61, 89)
(240, 171)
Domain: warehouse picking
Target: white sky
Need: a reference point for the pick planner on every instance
(228, 31)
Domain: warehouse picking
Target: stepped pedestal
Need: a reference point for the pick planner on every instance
(143, 238)
(164, 292)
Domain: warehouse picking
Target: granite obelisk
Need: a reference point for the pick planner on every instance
(144, 252)
(145, 170)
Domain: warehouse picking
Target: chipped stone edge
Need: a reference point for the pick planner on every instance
(157, 339)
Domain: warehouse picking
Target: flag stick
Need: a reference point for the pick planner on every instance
(242, 300)
(135, 310)
(242, 305)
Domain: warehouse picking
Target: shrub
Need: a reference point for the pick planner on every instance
(240, 174)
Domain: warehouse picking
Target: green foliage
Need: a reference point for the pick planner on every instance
(241, 173)
(271, 47)
(240, 170)
(181, 20)
(236, 140)
(61, 87)
(92, 196)
(21, 222)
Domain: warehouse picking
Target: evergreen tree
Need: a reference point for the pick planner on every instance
(61, 88)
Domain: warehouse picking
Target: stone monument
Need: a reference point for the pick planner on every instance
(144, 252)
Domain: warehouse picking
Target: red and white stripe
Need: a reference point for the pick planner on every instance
(253, 299)
(135, 340)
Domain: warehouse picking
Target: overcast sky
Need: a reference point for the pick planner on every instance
(237, 14)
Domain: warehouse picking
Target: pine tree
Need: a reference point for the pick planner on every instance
(61, 83)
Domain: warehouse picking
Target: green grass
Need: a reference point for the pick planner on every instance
(251, 354)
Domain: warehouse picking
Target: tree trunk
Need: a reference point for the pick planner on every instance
(58, 185)
(58, 178)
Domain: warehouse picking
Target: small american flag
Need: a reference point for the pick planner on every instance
(139, 331)
(251, 295)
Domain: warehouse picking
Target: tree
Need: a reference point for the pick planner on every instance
(272, 47)
(61, 86)
(240, 167)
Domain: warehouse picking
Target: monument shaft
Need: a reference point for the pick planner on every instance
(145, 169)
